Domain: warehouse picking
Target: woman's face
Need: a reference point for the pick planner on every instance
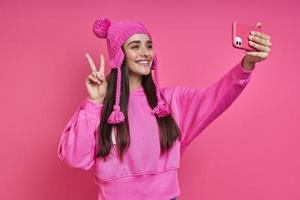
(139, 54)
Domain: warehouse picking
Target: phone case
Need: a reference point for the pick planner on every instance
(240, 33)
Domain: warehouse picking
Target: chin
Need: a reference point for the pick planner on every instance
(143, 70)
(146, 72)
(140, 70)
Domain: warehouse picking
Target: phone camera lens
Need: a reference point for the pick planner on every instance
(238, 41)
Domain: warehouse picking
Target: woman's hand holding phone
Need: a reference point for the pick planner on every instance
(257, 45)
(262, 43)
(96, 83)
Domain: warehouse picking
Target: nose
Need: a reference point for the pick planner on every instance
(145, 51)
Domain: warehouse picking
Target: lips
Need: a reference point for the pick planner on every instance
(143, 62)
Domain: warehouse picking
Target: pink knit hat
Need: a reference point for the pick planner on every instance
(116, 35)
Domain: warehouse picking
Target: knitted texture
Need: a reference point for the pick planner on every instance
(116, 35)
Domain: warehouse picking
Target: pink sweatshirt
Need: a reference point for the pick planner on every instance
(144, 175)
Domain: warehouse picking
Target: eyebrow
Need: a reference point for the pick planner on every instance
(138, 41)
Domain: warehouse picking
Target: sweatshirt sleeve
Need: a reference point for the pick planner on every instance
(78, 142)
(198, 107)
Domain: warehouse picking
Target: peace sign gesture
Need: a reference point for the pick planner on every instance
(96, 83)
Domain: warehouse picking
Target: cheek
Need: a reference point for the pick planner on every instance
(131, 58)
(131, 64)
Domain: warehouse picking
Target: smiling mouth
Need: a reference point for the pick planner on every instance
(144, 63)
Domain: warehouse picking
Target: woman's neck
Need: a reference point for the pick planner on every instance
(135, 82)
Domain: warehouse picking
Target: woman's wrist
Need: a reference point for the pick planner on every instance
(247, 65)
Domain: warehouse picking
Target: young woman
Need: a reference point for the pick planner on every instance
(133, 131)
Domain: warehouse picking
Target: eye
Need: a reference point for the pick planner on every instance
(134, 47)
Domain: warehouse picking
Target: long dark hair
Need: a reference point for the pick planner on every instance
(168, 128)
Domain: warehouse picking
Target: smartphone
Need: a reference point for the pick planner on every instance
(240, 33)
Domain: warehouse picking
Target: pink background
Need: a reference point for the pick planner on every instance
(250, 152)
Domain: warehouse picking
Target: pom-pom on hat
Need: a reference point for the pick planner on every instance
(116, 35)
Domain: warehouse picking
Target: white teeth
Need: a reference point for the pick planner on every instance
(145, 62)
